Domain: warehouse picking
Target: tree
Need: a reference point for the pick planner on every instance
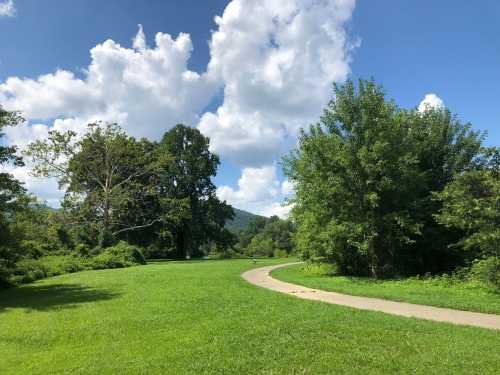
(267, 237)
(39, 229)
(105, 174)
(11, 192)
(187, 176)
(471, 202)
(254, 227)
(365, 176)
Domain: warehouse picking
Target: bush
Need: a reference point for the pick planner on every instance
(487, 271)
(319, 269)
(34, 249)
(119, 256)
(83, 250)
(158, 251)
(280, 253)
(29, 270)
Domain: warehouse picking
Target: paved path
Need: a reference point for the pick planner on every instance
(261, 277)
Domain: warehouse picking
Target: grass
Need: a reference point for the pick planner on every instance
(434, 292)
(203, 318)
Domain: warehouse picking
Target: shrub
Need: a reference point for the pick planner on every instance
(158, 251)
(280, 253)
(487, 271)
(121, 255)
(83, 249)
(34, 249)
(319, 269)
(29, 270)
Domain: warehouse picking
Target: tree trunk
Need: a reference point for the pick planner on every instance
(187, 244)
(373, 259)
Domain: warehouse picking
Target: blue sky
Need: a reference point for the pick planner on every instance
(413, 48)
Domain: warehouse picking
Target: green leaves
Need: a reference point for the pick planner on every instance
(471, 202)
(365, 176)
(12, 194)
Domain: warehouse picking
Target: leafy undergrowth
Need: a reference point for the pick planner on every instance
(119, 256)
(442, 291)
(202, 317)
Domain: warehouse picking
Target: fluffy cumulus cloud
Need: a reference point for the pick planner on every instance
(277, 68)
(259, 191)
(147, 90)
(430, 101)
(7, 8)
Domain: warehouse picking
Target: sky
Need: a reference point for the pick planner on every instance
(247, 73)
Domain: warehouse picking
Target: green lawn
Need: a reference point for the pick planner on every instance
(461, 297)
(202, 317)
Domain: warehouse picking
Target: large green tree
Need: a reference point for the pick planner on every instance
(105, 174)
(188, 176)
(11, 192)
(364, 178)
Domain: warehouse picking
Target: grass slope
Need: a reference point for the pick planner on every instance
(461, 297)
(202, 317)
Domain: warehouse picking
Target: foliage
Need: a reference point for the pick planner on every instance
(487, 271)
(119, 256)
(11, 192)
(364, 180)
(187, 178)
(34, 267)
(104, 174)
(471, 202)
(29, 269)
(254, 227)
(40, 229)
(118, 191)
(267, 237)
(261, 245)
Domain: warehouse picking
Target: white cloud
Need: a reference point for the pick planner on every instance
(277, 68)
(139, 41)
(274, 59)
(7, 8)
(430, 101)
(287, 188)
(277, 209)
(148, 90)
(259, 191)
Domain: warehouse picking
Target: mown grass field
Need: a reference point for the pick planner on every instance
(464, 296)
(203, 318)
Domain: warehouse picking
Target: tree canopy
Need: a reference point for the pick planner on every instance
(365, 177)
(11, 194)
(115, 185)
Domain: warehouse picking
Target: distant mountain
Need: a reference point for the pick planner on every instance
(240, 221)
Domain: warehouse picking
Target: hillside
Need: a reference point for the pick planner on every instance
(240, 221)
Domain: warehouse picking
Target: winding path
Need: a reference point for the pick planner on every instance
(261, 277)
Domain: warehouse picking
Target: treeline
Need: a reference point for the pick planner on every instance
(125, 199)
(265, 237)
(383, 191)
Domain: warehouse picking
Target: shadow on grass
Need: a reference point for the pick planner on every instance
(51, 297)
